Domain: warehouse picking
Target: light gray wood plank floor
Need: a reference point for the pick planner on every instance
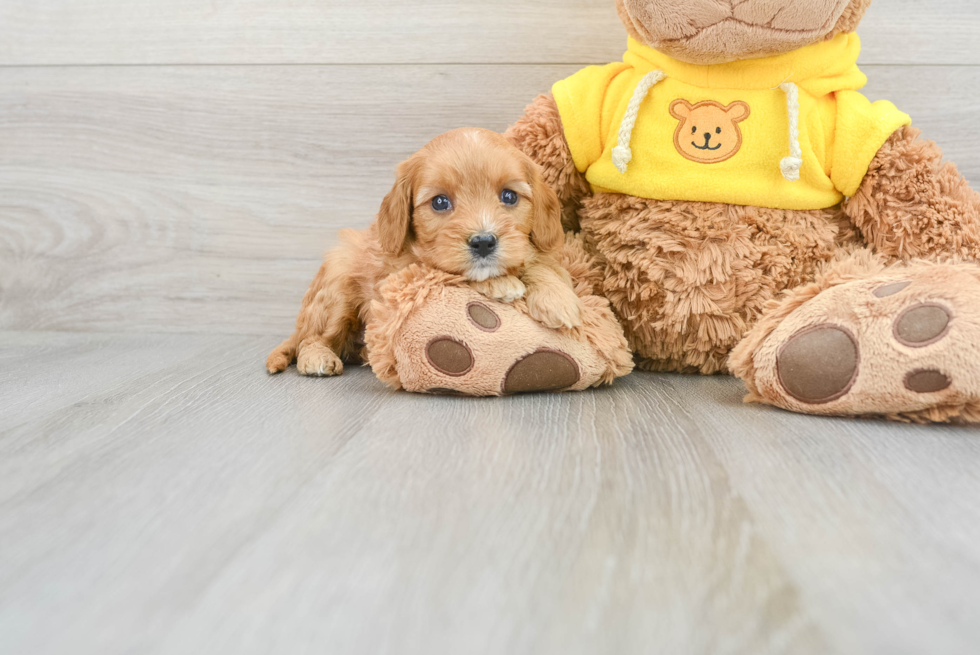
(162, 494)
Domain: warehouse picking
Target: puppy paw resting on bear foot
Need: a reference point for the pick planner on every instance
(506, 288)
(431, 332)
(555, 310)
(902, 343)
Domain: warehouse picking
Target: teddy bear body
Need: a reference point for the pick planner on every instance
(744, 209)
(690, 276)
(688, 280)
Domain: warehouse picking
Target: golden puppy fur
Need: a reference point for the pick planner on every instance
(446, 195)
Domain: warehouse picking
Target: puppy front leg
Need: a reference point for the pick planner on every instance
(505, 288)
(326, 324)
(551, 300)
(317, 359)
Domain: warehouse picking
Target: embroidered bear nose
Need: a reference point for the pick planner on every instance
(707, 136)
(483, 245)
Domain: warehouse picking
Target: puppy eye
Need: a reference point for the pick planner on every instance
(442, 204)
(718, 131)
(509, 197)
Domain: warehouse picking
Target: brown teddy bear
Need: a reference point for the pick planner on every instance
(745, 209)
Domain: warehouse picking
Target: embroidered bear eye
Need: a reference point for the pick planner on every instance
(694, 130)
(718, 131)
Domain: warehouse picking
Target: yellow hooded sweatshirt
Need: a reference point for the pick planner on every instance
(788, 132)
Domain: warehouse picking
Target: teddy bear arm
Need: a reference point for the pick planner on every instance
(913, 205)
(540, 135)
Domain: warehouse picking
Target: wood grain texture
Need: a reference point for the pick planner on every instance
(204, 506)
(201, 198)
(72, 32)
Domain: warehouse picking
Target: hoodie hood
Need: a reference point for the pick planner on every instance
(818, 69)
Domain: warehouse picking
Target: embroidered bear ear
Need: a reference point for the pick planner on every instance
(738, 111)
(681, 109)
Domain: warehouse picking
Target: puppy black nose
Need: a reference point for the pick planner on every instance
(483, 245)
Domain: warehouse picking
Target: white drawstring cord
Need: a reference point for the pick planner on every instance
(621, 154)
(791, 165)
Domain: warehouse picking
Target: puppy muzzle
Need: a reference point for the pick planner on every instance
(484, 251)
(483, 246)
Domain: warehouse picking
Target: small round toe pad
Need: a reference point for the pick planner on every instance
(483, 317)
(927, 381)
(892, 289)
(449, 356)
(922, 325)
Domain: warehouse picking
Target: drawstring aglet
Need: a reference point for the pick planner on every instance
(622, 156)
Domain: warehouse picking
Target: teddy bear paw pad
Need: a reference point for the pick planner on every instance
(449, 356)
(483, 317)
(927, 381)
(922, 325)
(544, 370)
(904, 344)
(892, 288)
(819, 364)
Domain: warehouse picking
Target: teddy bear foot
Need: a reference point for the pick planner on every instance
(903, 343)
(432, 333)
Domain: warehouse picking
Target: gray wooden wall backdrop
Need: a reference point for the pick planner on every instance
(179, 165)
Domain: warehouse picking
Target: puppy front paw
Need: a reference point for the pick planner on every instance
(511, 290)
(506, 288)
(555, 309)
(316, 360)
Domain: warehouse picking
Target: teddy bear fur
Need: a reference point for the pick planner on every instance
(708, 269)
(887, 276)
(689, 280)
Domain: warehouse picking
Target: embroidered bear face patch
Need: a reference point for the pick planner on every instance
(708, 132)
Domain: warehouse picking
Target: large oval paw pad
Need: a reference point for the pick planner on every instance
(819, 364)
(543, 370)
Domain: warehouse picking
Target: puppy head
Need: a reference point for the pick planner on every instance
(472, 204)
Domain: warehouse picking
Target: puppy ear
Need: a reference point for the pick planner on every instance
(546, 232)
(395, 216)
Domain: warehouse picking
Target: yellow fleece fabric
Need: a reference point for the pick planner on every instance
(840, 130)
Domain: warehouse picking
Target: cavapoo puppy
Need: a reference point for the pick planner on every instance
(468, 203)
